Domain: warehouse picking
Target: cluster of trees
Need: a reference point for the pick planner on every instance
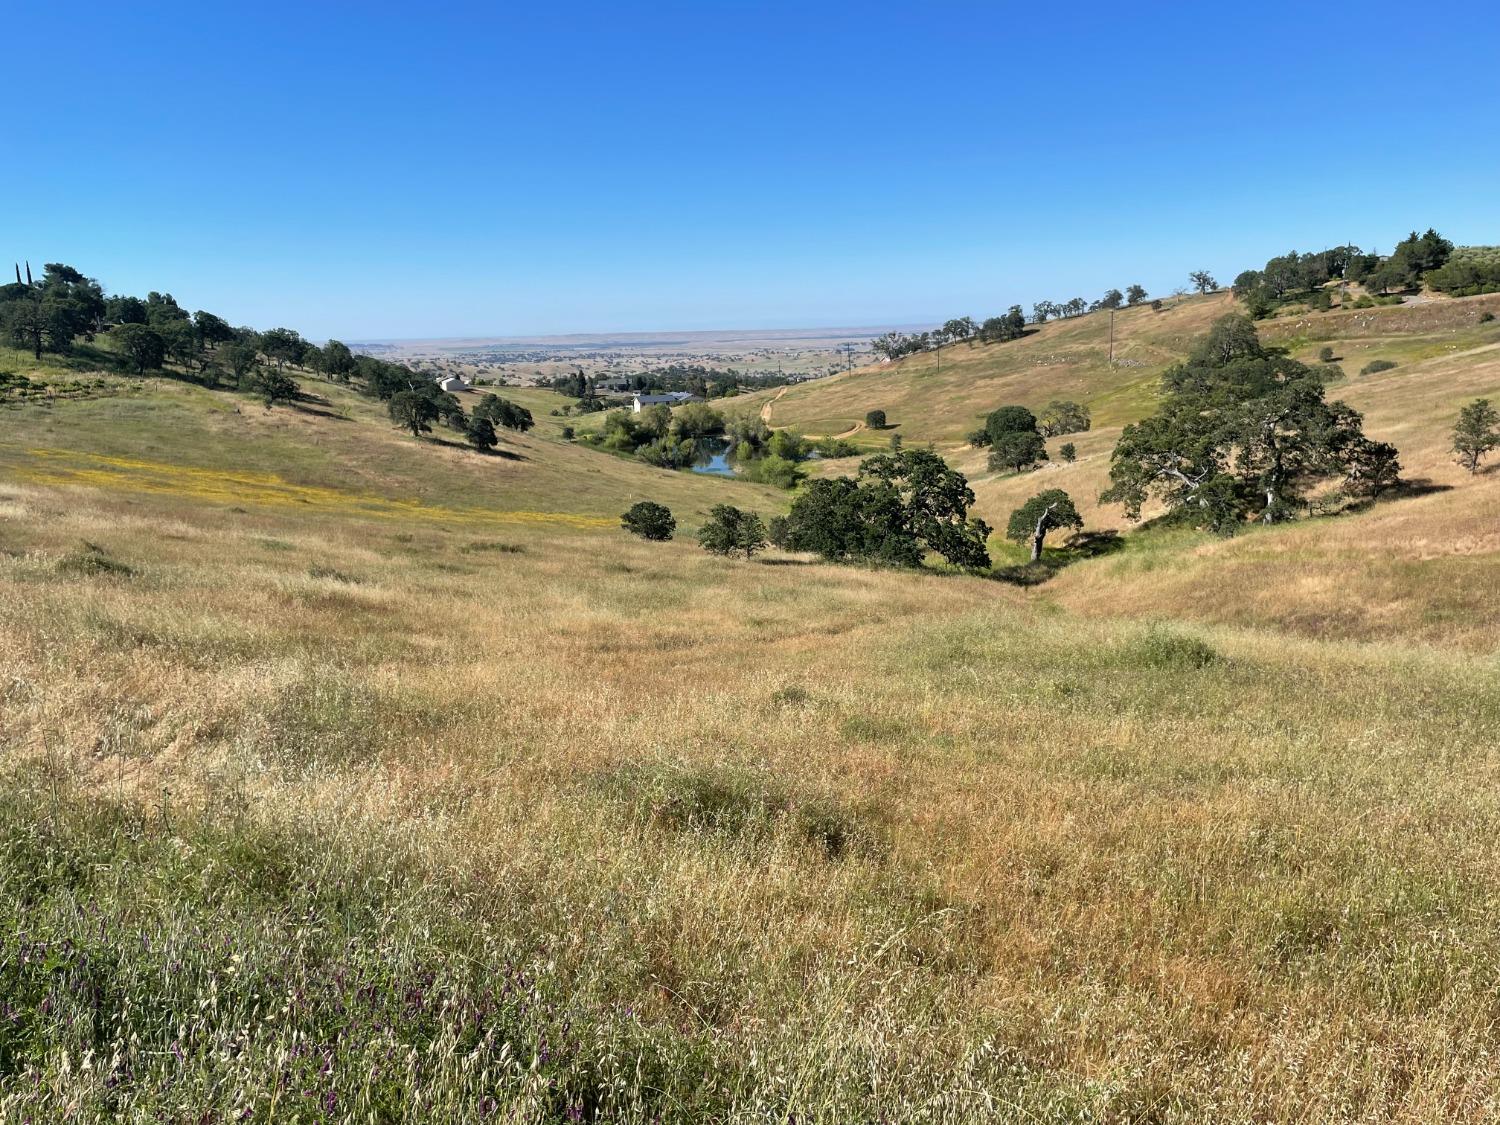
(1302, 277)
(964, 329)
(1241, 427)
(900, 506)
(48, 315)
(1043, 311)
(727, 531)
(765, 455)
(1014, 438)
(422, 402)
(894, 345)
(1469, 271)
(774, 457)
(1017, 438)
(657, 436)
(705, 382)
(1010, 326)
(63, 307)
(676, 440)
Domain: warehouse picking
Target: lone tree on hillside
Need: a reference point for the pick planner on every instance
(1476, 433)
(481, 433)
(240, 358)
(729, 530)
(1063, 418)
(875, 419)
(1135, 294)
(649, 520)
(276, 386)
(143, 346)
(503, 412)
(1044, 512)
(1203, 281)
(413, 411)
(1017, 450)
(1009, 419)
(1242, 426)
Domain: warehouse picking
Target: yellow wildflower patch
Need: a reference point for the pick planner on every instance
(92, 470)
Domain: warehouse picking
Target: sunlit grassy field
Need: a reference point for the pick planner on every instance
(347, 778)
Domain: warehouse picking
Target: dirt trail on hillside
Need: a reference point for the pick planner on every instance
(765, 411)
(850, 432)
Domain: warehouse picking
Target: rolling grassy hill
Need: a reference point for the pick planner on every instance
(344, 776)
(1418, 567)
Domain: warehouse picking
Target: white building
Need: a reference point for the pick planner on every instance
(667, 398)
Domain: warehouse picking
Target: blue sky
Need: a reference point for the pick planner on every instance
(381, 170)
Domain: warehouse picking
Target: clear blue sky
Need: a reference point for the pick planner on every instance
(370, 170)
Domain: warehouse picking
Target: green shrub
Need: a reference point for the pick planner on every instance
(1163, 647)
(735, 803)
(834, 448)
(92, 561)
(793, 695)
(776, 471)
(669, 452)
(333, 575)
(650, 521)
(1375, 366)
(728, 530)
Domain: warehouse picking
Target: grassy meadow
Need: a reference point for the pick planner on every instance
(351, 778)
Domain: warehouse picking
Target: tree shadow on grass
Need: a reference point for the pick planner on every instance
(311, 404)
(1401, 490)
(1083, 545)
(502, 454)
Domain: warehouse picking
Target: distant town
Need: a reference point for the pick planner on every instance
(807, 353)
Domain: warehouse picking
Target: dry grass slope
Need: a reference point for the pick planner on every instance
(1420, 567)
(336, 786)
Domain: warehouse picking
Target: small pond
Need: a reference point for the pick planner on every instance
(713, 457)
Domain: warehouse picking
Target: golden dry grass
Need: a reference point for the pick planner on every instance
(771, 839)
